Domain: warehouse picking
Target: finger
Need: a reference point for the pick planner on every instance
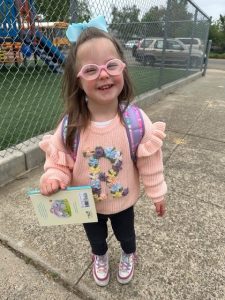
(49, 189)
(158, 210)
(162, 211)
(62, 186)
(54, 186)
(44, 190)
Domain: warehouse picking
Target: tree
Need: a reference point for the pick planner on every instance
(222, 23)
(58, 10)
(180, 20)
(53, 11)
(125, 22)
(83, 11)
(153, 21)
(179, 10)
(217, 34)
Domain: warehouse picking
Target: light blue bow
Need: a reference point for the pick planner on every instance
(74, 30)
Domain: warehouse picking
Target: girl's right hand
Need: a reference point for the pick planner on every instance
(51, 186)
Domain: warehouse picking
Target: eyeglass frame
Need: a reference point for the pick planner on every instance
(100, 68)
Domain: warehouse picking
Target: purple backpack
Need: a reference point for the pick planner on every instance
(134, 126)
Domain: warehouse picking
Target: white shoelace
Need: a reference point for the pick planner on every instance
(101, 263)
(126, 261)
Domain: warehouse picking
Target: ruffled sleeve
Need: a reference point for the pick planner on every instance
(149, 159)
(57, 156)
(59, 163)
(154, 141)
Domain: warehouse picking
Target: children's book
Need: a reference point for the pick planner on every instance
(74, 205)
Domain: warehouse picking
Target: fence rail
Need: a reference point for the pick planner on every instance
(163, 41)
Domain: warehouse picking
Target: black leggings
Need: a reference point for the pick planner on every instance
(123, 228)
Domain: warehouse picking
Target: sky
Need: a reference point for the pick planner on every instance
(213, 8)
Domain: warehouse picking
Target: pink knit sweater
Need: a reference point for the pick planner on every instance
(104, 162)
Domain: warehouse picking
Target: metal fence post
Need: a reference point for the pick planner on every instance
(162, 63)
(189, 63)
(207, 55)
(207, 48)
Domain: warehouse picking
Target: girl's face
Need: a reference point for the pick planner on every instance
(106, 88)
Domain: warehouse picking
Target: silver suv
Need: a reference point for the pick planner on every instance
(195, 43)
(150, 50)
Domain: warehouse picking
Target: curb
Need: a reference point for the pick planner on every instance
(17, 160)
(26, 156)
(157, 94)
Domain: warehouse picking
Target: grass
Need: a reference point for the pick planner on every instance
(31, 103)
(148, 78)
(217, 55)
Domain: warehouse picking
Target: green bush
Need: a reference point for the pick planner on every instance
(217, 55)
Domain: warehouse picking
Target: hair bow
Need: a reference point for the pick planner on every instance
(74, 30)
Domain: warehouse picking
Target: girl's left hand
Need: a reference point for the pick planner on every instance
(160, 208)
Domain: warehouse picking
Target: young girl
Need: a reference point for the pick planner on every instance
(96, 82)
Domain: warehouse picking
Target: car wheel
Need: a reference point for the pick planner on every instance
(134, 51)
(148, 60)
(151, 61)
(195, 62)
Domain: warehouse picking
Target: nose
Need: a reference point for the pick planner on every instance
(103, 73)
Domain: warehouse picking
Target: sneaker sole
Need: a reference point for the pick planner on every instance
(101, 282)
(125, 280)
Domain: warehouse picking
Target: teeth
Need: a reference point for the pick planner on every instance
(105, 87)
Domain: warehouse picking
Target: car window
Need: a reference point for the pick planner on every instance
(173, 45)
(146, 43)
(194, 42)
(158, 44)
(189, 41)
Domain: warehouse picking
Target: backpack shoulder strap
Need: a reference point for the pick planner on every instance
(64, 128)
(135, 128)
(76, 138)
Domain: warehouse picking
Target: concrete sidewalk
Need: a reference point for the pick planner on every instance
(181, 256)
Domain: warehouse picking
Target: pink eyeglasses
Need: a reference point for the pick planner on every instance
(113, 67)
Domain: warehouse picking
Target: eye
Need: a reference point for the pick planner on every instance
(90, 70)
(112, 65)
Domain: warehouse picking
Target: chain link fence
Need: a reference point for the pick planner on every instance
(163, 41)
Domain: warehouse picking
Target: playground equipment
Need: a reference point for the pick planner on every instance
(59, 35)
(21, 36)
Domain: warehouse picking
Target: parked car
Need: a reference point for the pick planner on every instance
(150, 50)
(195, 42)
(130, 44)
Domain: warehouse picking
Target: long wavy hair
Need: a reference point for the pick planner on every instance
(74, 96)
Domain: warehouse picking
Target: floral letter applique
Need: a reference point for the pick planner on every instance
(96, 176)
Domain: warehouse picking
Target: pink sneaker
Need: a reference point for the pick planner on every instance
(101, 269)
(126, 267)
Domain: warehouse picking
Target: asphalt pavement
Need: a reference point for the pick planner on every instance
(217, 64)
(181, 256)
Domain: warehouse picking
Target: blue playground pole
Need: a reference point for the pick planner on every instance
(8, 13)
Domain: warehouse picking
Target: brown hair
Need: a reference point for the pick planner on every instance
(74, 97)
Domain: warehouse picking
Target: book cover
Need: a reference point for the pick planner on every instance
(75, 205)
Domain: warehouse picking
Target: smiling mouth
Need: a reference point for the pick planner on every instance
(105, 87)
